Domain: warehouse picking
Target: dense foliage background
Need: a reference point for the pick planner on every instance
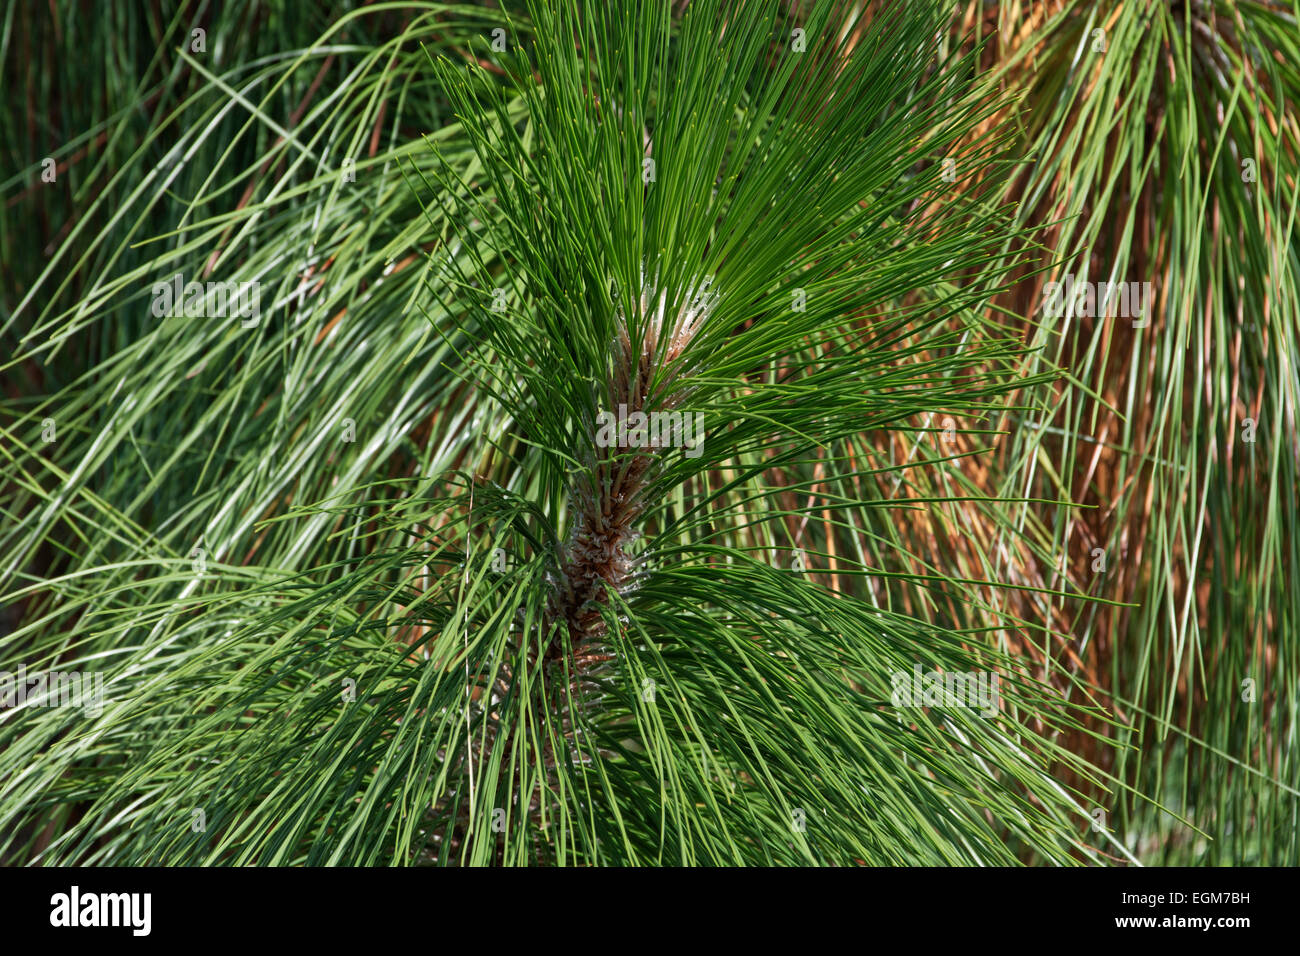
(363, 587)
